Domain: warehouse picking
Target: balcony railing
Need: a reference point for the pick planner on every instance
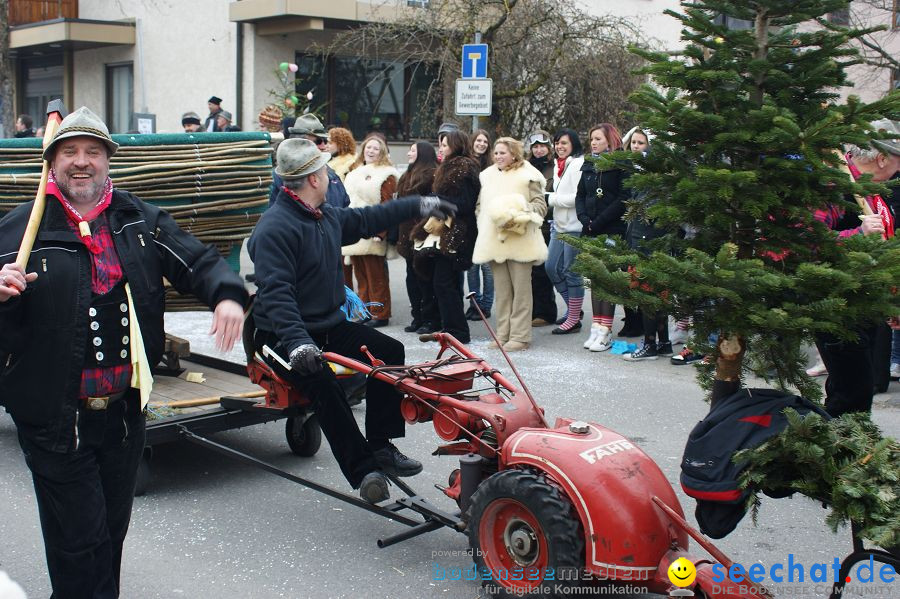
(22, 12)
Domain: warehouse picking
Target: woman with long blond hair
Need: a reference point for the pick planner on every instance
(372, 180)
(510, 212)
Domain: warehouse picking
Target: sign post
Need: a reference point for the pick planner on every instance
(474, 91)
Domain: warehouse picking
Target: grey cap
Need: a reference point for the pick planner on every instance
(299, 157)
(888, 146)
(190, 117)
(81, 123)
(225, 115)
(308, 124)
(447, 128)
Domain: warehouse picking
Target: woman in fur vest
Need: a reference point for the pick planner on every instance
(511, 209)
(444, 248)
(372, 180)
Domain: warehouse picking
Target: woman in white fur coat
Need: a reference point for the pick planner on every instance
(510, 212)
(372, 180)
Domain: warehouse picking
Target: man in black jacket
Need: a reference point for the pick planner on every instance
(295, 249)
(80, 332)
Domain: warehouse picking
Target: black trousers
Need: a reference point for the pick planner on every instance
(447, 285)
(84, 499)
(421, 297)
(849, 385)
(383, 420)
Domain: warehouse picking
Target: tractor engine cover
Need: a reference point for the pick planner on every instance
(451, 377)
(610, 482)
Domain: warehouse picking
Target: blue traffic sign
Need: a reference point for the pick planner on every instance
(474, 61)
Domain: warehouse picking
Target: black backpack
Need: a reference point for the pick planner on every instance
(743, 420)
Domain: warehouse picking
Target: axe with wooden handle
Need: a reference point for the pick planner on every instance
(55, 113)
(845, 168)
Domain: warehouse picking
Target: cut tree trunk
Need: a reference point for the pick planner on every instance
(727, 381)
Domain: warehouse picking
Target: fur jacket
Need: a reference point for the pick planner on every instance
(456, 181)
(510, 212)
(364, 186)
(341, 164)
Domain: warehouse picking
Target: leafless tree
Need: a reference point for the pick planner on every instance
(552, 63)
(879, 48)
(7, 79)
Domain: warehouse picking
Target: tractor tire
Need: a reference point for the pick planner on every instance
(304, 436)
(519, 525)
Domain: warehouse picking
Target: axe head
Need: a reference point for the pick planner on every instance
(56, 106)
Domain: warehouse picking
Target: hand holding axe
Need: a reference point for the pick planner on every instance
(55, 113)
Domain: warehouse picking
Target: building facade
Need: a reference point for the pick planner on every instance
(166, 58)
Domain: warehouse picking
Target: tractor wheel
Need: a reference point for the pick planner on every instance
(519, 526)
(303, 434)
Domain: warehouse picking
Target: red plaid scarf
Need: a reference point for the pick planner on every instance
(82, 222)
(316, 213)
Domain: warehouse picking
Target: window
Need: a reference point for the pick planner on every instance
(733, 23)
(419, 3)
(119, 97)
(895, 79)
(840, 17)
(365, 95)
(895, 15)
(42, 79)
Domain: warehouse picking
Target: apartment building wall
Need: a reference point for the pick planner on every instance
(185, 53)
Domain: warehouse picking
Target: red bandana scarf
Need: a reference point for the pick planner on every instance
(878, 205)
(316, 213)
(560, 166)
(82, 222)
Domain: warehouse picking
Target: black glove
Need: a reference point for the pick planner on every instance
(306, 360)
(436, 207)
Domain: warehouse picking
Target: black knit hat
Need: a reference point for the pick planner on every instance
(190, 118)
(216, 100)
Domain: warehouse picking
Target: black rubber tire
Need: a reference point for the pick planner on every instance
(304, 436)
(556, 517)
(142, 481)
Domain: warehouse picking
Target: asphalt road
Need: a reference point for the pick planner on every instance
(210, 527)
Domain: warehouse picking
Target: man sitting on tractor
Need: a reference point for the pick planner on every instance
(296, 251)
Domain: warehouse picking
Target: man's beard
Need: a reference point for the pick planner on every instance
(82, 195)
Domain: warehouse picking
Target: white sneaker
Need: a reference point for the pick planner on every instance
(595, 330)
(818, 369)
(603, 341)
(895, 371)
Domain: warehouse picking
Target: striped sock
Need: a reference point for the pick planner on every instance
(606, 321)
(597, 319)
(683, 324)
(573, 315)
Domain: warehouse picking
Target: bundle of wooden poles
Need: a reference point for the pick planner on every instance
(215, 185)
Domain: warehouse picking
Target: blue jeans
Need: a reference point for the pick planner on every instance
(559, 267)
(484, 295)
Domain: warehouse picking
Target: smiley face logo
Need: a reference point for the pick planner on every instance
(682, 572)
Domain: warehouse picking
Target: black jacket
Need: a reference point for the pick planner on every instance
(212, 117)
(298, 264)
(600, 215)
(44, 331)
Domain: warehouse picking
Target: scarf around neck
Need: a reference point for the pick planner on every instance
(82, 222)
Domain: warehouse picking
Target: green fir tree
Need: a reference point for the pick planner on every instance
(749, 133)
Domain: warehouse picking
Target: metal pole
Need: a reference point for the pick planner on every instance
(475, 118)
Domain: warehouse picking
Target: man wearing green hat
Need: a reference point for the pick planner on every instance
(80, 332)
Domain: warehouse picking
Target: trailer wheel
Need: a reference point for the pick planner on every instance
(303, 434)
(142, 482)
(520, 525)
